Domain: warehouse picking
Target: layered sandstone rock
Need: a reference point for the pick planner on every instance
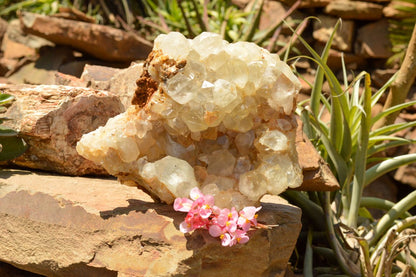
(76, 226)
(51, 119)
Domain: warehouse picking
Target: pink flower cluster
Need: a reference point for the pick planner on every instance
(229, 225)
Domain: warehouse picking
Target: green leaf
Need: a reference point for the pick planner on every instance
(392, 142)
(361, 156)
(393, 128)
(376, 97)
(363, 212)
(386, 166)
(11, 147)
(6, 98)
(392, 110)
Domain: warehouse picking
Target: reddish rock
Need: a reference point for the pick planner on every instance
(15, 50)
(274, 11)
(343, 39)
(316, 174)
(373, 40)
(51, 119)
(121, 82)
(62, 79)
(103, 42)
(359, 10)
(16, 44)
(407, 174)
(75, 226)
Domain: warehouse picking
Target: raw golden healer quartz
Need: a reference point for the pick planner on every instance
(207, 114)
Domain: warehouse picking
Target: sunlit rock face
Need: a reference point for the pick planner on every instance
(207, 114)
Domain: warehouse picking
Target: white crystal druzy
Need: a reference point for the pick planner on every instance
(216, 115)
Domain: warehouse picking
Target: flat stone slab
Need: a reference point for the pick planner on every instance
(77, 226)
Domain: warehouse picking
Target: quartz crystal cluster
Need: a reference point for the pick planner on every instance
(207, 114)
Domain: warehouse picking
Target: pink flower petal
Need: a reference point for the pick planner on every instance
(205, 211)
(215, 231)
(195, 193)
(241, 236)
(228, 240)
(182, 204)
(185, 227)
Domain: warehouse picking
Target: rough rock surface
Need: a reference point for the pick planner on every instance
(76, 226)
(317, 176)
(373, 40)
(52, 119)
(343, 39)
(121, 82)
(355, 10)
(100, 41)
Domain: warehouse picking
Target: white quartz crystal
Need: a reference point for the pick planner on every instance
(208, 114)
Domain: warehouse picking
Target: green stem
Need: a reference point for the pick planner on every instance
(361, 156)
(309, 208)
(344, 262)
(308, 262)
(388, 219)
(388, 165)
(381, 204)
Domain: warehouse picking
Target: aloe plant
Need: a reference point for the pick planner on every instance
(349, 144)
(11, 145)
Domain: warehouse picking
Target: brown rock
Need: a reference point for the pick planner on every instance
(274, 11)
(16, 44)
(352, 61)
(241, 3)
(407, 174)
(97, 227)
(52, 119)
(373, 40)
(308, 3)
(7, 270)
(3, 28)
(384, 188)
(121, 82)
(100, 41)
(98, 76)
(379, 77)
(62, 79)
(343, 38)
(6, 65)
(307, 81)
(42, 71)
(391, 11)
(316, 174)
(355, 10)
